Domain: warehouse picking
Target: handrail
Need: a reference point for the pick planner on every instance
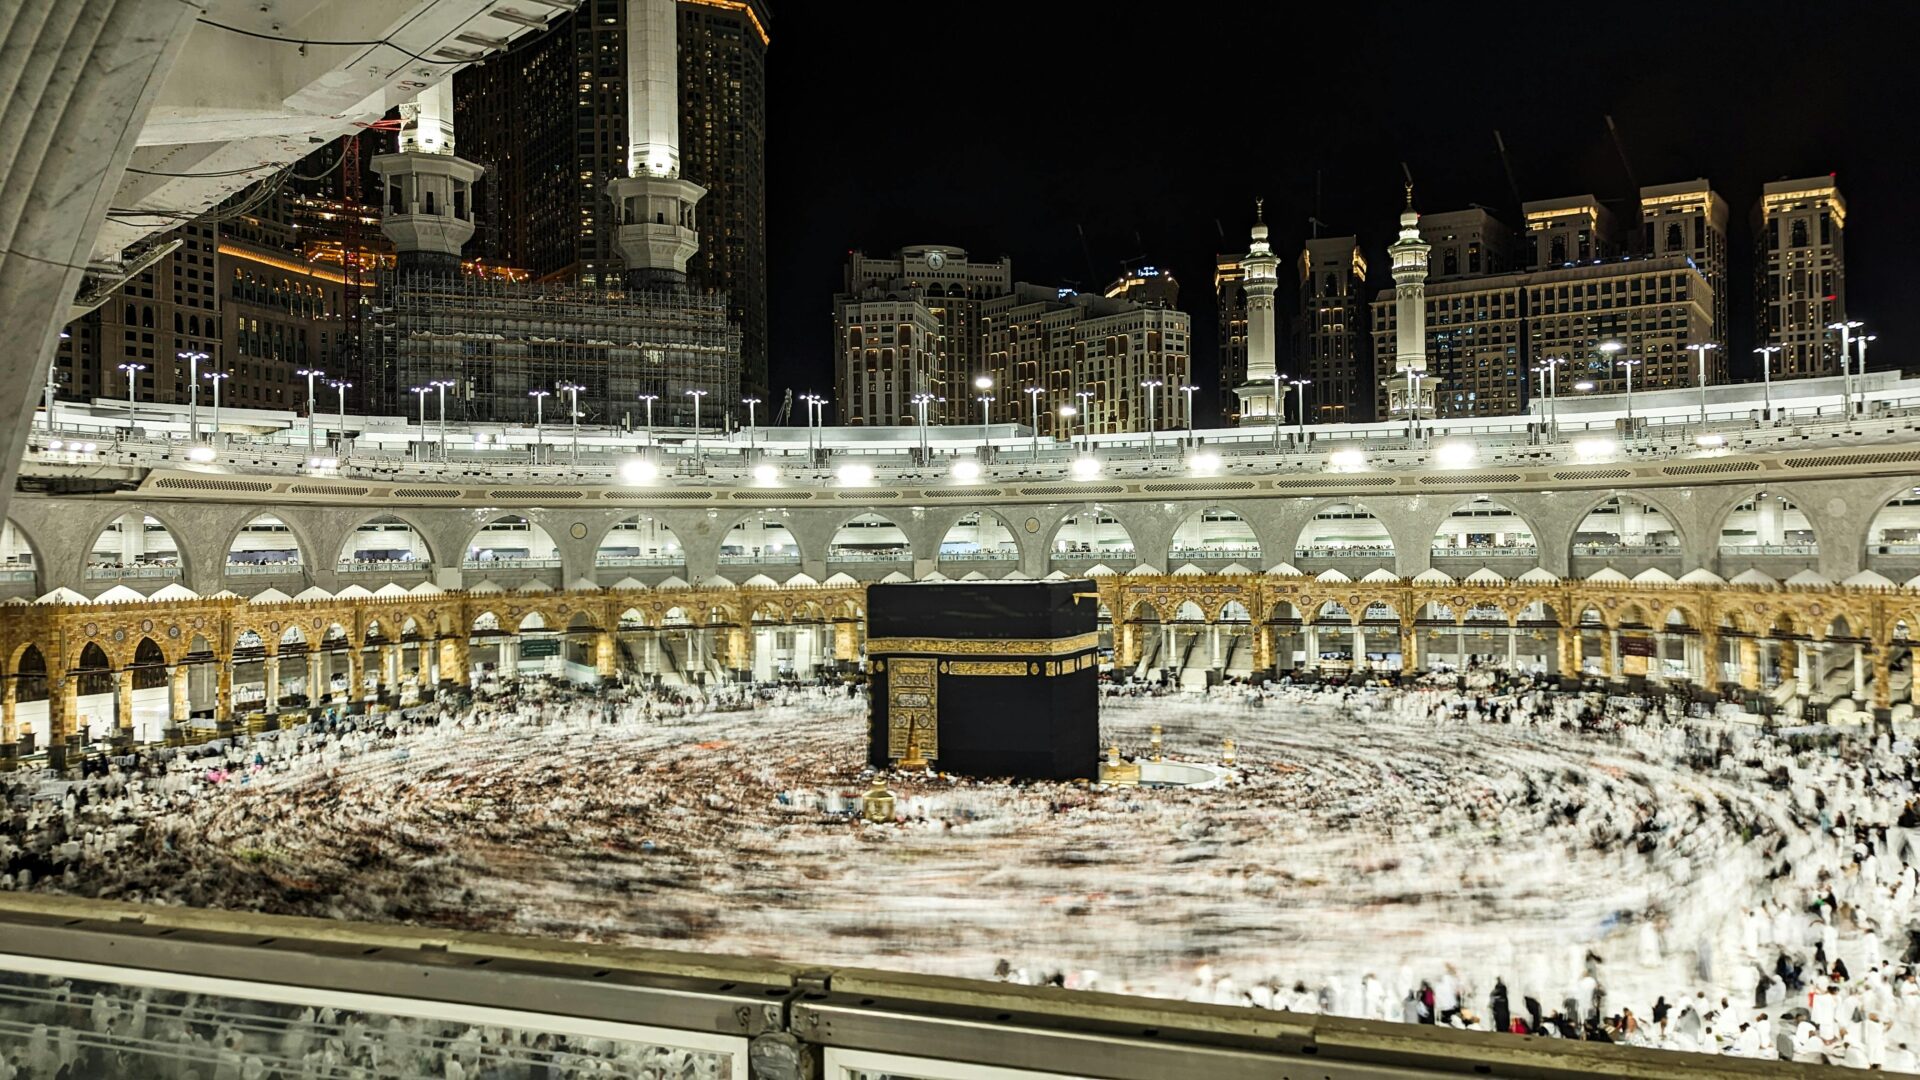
(776, 1010)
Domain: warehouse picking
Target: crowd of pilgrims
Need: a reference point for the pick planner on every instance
(1822, 964)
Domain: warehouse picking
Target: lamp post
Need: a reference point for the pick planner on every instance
(921, 401)
(1552, 364)
(341, 386)
(216, 378)
(441, 385)
(311, 374)
(1700, 350)
(1067, 413)
(809, 399)
(1629, 365)
(1033, 396)
(1863, 339)
(1300, 401)
(1086, 415)
(423, 391)
(1189, 391)
(1846, 329)
(131, 370)
(573, 410)
(1278, 407)
(539, 420)
(986, 410)
(698, 454)
(1150, 385)
(1765, 352)
(648, 400)
(750, 402)
(193, 391)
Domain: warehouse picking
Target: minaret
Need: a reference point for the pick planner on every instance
(653, 205)
(426, 197)
(1409, 391)
(1261, 279)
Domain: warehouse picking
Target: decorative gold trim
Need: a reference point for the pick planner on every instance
(913, 709)
(988, 667)
(1035, 647)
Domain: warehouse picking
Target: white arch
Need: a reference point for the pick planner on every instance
(134, 545)
(385, 541)
(1484, 526)
(1344, 529)
(1214, 532)
(509, 540)
(639, 541)
(981, 534)
(264, 541)
(869, 537)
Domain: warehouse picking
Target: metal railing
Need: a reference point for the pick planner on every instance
(1344, 551)
(638, 560)
(1486, 551)
(142, 572)
(1769, 549)
(982, 555)
(17, 573)
(1627, 549)
(1215, 551)
(420, 989)
(901, 556)
(244, 569)
(511, 562)
(765, 558)
(385, 566)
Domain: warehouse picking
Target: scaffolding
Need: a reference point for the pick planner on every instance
(498, 341)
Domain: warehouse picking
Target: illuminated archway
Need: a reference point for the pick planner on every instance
(134, 546)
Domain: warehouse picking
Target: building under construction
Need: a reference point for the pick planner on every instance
(500, 342)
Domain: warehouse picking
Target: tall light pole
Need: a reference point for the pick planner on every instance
(1033, 396)
(311, 374)
(539, 420)
(341, 386)
(131, 370)
(573, 409)
(1189, 391)
(216, 378)
(750, 402)
(1846, 358)
(986, 409)
(1067, 413)
(1863, 339)
(1279, 407)
(1150, 385)
(809, 399)
(1552, 364)
(1629, 365)
(1700, 350)
(698, 454)
(441, 385)
(648, 400)
(1765, 352)
(423, 391)
(1086, 415)
(193, 391)
(922, 400)
(1300, 401)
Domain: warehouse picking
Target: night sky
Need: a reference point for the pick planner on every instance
(1000, 127)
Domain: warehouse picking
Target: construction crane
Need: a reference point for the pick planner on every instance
(786, 410)
(1506, 162)
(1620, 147)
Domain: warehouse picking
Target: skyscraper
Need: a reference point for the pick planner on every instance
(549, 122)
(1331, 348)
(1576, 230)
(1230, 297)
(1688, 219)
(1799, 226)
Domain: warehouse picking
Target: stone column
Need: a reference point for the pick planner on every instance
(1882, 680)
(604, 654)
(1615, 668)
(1710, 672)
(1126, 652)
(1568, 644)
(453, 660)
(180, 702)
(356, 677)
(1513, 647)
(273, 683)
(845, 648)
(740, 643)
(1359, 648)
(1460, 643)
(1213, 647)
(316, 681)
(123, 704)
(1409, 648)
(62, 704)
(1313, 647)
(223, 691)
(1749, 664)
(1859, 673)
(1800, 668)
(9, 716)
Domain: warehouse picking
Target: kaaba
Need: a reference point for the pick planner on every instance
(985, 679)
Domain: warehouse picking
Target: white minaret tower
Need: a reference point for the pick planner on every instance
(1261, 278)
(426, 201)
(653, 205)
(1409, 391)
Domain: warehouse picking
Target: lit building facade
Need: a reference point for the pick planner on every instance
(1068, 343)
(1466, 243)
(908, 324)
(1230, 305)
(1575, 230)
(1331, 347)
(1689, 220)
(1800, 259)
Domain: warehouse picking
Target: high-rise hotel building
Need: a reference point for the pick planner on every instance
(1800, 261)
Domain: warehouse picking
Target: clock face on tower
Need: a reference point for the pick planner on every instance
(935, 260)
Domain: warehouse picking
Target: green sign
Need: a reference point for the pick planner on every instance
(539, 648)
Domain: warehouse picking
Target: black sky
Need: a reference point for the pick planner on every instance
(1001, 126)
